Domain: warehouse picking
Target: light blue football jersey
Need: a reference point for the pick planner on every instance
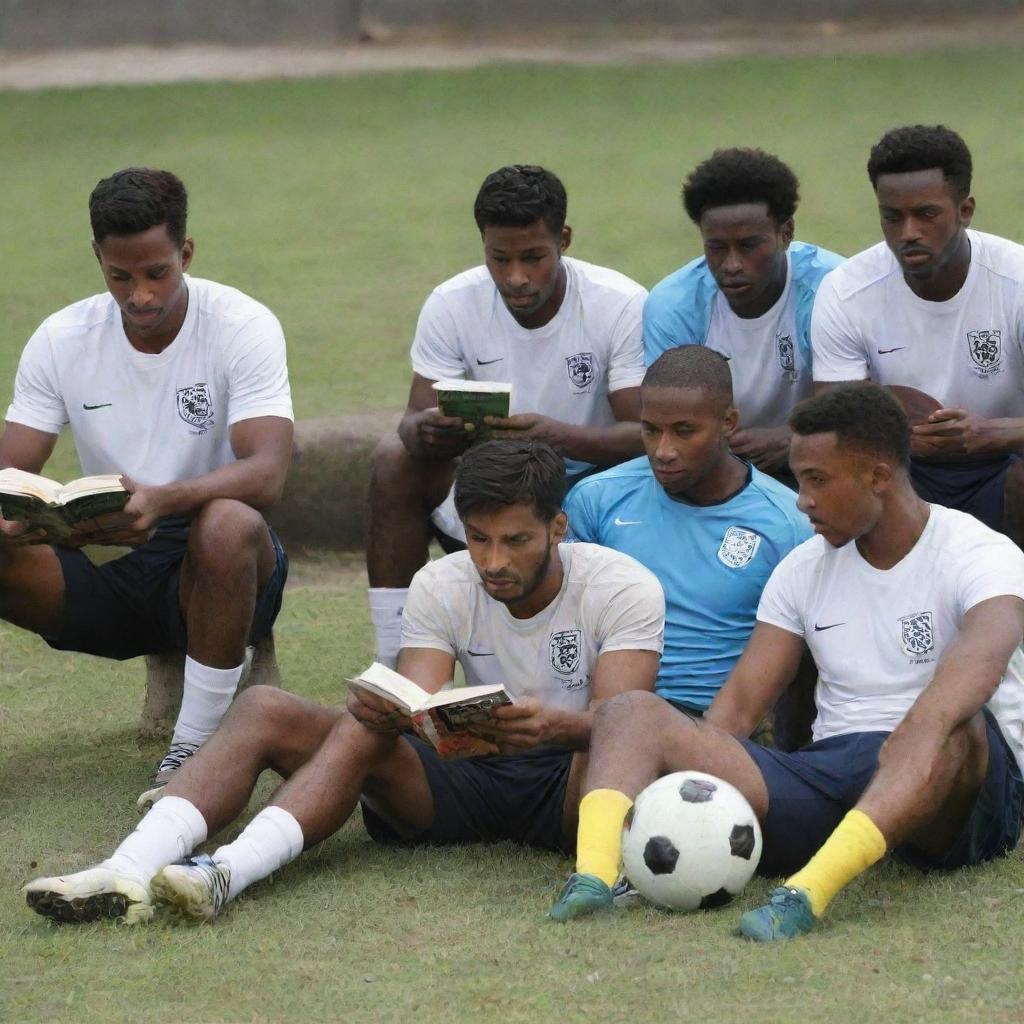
(713, 562)
(769, 356)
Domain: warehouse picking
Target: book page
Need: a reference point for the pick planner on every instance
(390, 685)
(468, 695)
(108, 483)
(17, 481)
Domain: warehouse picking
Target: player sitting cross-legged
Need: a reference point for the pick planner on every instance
(914, 615)
(562, 626)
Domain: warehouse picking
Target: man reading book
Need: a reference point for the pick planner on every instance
(561, 626)
(564, 333)
(179, 386)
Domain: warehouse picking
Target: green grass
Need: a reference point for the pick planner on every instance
(340, 203)
(352, 932)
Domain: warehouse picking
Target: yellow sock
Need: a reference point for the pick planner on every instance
(851, 849)
(599, 839)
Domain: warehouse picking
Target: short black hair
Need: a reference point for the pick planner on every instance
(922, 147)
(733, 176)
(137, 199)
(865, 417)
(510, 471)
(691, 366)
(520, 195)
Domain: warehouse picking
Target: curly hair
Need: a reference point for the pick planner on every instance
(732, 176)
(865, 417)
(137, 199)
(922, 147)
(510, 471)
(519, 195)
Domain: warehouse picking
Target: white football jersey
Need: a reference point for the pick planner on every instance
(607, 602)
(967, 351)
(155, 418)
(566, 369)
(877, 635)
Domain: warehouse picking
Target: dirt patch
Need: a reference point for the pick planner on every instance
(146, 64)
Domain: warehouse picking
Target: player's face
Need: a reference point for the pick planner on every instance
(837, 487)
(144, 273)
(514, 550)
(922, 221)
(685, 434)
(526, 266)
(746, 253)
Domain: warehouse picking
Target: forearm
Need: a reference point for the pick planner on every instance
(1002, 436)
(255, 481)
(571, 729)
(604, 446)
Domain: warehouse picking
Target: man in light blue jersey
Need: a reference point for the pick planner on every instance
(710, 526)
(748, 297)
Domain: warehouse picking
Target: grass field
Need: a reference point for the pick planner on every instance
(340, 204)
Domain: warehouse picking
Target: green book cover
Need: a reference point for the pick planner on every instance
(472, 400)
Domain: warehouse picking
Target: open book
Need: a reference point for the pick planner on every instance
(472, 400)
(54, 507)
(439, 718)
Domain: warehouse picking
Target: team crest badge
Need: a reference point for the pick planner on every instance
(738, 547)
(195, 406)
(786, 356)
(565, 651)
(916, 633)
(581, 368)
(985, 348)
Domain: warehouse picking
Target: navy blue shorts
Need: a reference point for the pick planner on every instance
(811, 789)
(976, 486)
(130, 606)
(515, 797)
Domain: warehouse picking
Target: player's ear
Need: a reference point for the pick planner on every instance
(559, 527)
(566, 240)
(731, 420)
(187, 252)
(966, 211)
(881, 476)
(96, 252)
(786, 232)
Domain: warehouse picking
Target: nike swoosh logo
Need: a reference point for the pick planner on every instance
(818, 629)
(480, 654)
(103, 406)
(627, 522)
(487, 362)
(886, 351)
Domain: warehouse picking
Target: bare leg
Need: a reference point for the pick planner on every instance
(638, 737)
(229, 560)
(403, 492)
(1013, 511)
(31, 587)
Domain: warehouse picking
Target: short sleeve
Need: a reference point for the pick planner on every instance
(626, 360)
(780, 603)
(37, 401)
(582, 520)
(258, 372)
(435, 350)
(633, 617)
(991, 566)
(838, 351)
(425, 620)
(660, 331)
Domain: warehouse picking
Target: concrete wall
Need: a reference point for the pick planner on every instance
(46, 24)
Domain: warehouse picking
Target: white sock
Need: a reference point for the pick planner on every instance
(269, 841)
(386, 604)
(171, 830)
(206, 696)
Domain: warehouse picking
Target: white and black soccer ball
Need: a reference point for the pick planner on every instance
(693, 842)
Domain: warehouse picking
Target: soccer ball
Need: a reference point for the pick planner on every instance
(693, 843)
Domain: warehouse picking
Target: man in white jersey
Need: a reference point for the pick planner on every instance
(940, 308)
(749, 297)
(179, 385)
(562, 626)
(912, 613)
(566, 334)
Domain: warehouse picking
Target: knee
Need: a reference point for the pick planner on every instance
(263, 707)
(633, 710)
(392, 468)
(226, 535)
